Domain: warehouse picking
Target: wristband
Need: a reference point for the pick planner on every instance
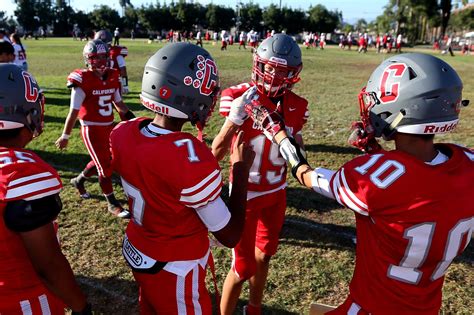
(65, 136)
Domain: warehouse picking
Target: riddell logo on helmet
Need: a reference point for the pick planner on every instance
(157, 108)
(439, 129)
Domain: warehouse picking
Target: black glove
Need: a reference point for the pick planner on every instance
(127, 116)
(86, 311)
(293, 154)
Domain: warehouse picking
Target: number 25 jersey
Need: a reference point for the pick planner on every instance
(167, 177)
(412, 220)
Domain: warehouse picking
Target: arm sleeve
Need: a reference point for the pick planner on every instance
(117, 96)
(25, 216)
(215, 215)
(77, 97)
(120, 61)
(321, 181)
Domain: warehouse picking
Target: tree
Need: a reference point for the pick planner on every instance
(251, 17)
(62, 25)
(104, 17)
(272, 17)
(293, 21)
(219, 17)
(446, 7)
(322, 20)
(25, 13)
(361, 25)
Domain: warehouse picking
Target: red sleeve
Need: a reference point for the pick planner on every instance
(26, 176)
(75, 79)
(228, 95)
(203, 182)
(350, 188)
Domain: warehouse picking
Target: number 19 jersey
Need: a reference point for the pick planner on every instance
(268, 171)
(167, 176)
(412, 220)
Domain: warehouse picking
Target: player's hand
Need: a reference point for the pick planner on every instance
(61, 143)
(363, 140)
(293, 154)
(86, 311)
(269, 121)
(237, 113)
(124, 89)
(241, 152)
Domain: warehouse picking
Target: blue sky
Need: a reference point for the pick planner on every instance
(352, 10)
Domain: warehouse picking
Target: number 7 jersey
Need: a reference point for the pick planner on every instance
(167, 176)
(412, 220)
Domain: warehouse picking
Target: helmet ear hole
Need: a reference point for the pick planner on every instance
(411, 73)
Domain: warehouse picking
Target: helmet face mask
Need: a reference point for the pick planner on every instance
(411, 93)
(96, 55)
(276, 65)
(22, 100)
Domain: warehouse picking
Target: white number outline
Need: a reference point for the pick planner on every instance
(399, 170)
(192, 157)
(138, 203)
(106, 108)
(421, 243)
(258, 144)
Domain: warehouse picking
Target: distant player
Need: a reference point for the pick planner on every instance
(117, 56)
(413, 205)
(94, 95)
(242, 39)
(174, 183)
(276, 68)
(35, 277)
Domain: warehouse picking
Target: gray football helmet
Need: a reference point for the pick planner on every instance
(104, 36)
(411, 93)
(181, 80)
(96, 54)
(283, 54)
(21, 100)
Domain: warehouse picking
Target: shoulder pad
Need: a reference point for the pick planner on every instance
(25, 216)
(74, 79)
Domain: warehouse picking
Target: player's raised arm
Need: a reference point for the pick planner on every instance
(242, 158)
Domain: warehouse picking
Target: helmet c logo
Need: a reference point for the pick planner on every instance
(208, 85)
(31, 91)
(389, 92)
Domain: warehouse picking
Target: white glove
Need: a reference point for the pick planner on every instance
(237, 114)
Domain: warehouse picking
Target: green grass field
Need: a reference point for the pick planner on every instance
(316, 255)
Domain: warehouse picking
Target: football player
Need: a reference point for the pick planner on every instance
(276, 67)
(174, 183)
(413, 205)
(117, 57)
(35, 277)
(94, 94)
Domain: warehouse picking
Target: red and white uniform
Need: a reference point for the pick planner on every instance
(268, 171)
(174, 200)
(117, 56)
(23, 176)
(412, 219)
(93, 97)
(267, 179)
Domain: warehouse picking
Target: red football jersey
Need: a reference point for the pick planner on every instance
(23, 175)
(412, 220)
(114, 52)
(97, 107)
(169, 176)
(268, 170)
